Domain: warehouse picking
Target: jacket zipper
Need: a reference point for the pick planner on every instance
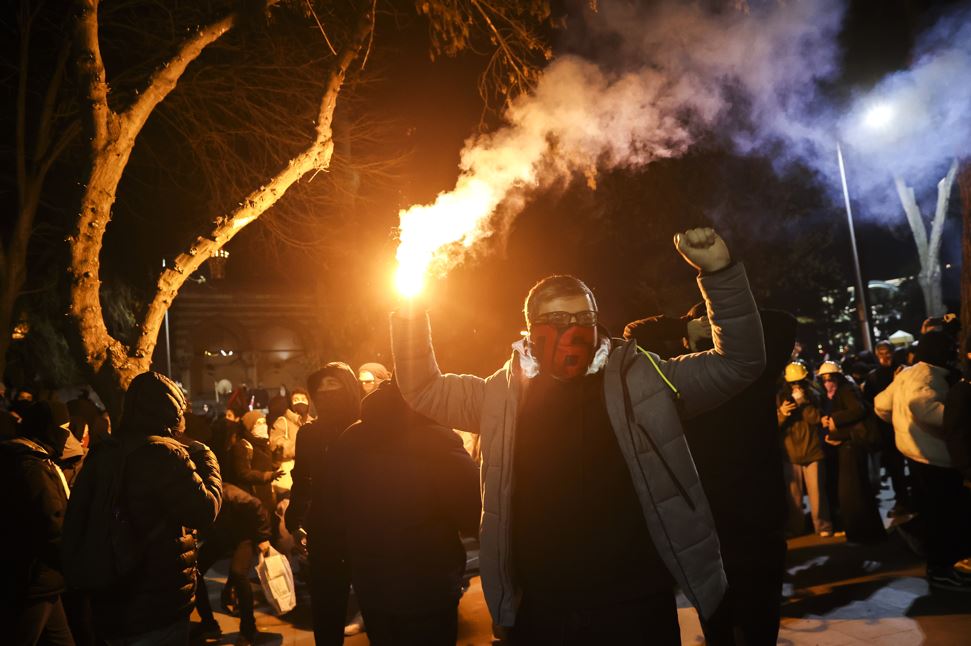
(629, 412)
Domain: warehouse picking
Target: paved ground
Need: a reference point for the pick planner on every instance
(835, 594)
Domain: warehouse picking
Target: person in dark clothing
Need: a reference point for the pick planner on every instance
(737, 452)
(241, 528)
(336, 395)
(251, 465)
(890, 456)
(34, 497)
(401, 490)
(166, 490)
(843, 415)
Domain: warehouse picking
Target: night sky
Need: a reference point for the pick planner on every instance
(616, 237)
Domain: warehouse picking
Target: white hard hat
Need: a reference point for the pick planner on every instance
(829, 368)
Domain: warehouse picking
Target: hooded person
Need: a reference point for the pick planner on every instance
(34, 497)
(337, 398)
(915, 404)
(403, 489)
(165, 490)
(251, 465)
(371, 375)
(737, 453)
(585, 461)
(283, 433)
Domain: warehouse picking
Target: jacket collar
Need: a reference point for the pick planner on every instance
(529, 366)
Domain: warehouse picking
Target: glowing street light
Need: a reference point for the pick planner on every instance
(877, 117)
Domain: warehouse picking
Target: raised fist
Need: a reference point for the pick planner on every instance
(703, 249)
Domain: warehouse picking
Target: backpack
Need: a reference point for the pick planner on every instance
(99, 546)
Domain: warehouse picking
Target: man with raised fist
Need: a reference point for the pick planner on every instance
(592, 508)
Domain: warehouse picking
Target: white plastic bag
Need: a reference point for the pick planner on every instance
(276, 579)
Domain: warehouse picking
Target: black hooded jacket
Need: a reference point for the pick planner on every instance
(313, 443)
(403, 488)
(736, 447)
(168, 490)
(33, 497)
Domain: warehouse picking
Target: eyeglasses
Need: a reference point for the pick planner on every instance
(563, 319)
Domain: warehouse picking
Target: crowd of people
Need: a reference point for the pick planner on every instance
(599, 475)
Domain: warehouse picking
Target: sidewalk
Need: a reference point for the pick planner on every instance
(836, 594)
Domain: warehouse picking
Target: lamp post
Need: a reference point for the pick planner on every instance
(862, 310)
(877, 117)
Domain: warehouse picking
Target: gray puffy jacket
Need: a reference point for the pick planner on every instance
(646, 423)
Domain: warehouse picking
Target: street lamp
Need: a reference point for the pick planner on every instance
(877, 117)
(862, 311)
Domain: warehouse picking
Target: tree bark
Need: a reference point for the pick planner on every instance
(964, 184)
(112, 364)
(928, 248)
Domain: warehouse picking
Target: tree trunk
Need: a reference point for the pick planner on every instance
(112, 135)
(964, 183)
(928, 248)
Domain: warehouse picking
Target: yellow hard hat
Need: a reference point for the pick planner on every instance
(796, 371)
(829, 368)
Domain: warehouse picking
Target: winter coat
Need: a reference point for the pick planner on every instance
(283, 435)
(251, 468)
(166, 494)
(34, 498)
(847, 410)
(241, 517)
(403, 489)
(651, 438)
(914, 404)
(802, 431)
(309, 475)
(957, 423)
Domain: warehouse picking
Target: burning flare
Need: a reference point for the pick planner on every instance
(429, 231)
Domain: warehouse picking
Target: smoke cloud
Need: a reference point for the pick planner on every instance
(671, 73)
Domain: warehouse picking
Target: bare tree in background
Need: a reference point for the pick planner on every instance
(112, 124)
(929, 246)
(964, 184)
(38, 144)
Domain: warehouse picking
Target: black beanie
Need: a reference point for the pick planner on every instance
(935, 348)
(154, 405)
(42, 422)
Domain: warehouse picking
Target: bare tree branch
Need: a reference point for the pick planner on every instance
(164, 80)
(46, 124)
(315, 156)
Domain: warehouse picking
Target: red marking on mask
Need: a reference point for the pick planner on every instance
(564, 353)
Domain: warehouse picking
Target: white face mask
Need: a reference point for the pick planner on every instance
(260, 429)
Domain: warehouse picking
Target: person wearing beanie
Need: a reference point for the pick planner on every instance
(337, 399)
(371, 375)
(283, 434)
(167, 487)
(34, 497)
(250, 463)
(915, 404)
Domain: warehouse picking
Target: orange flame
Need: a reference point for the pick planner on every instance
(429, 232)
